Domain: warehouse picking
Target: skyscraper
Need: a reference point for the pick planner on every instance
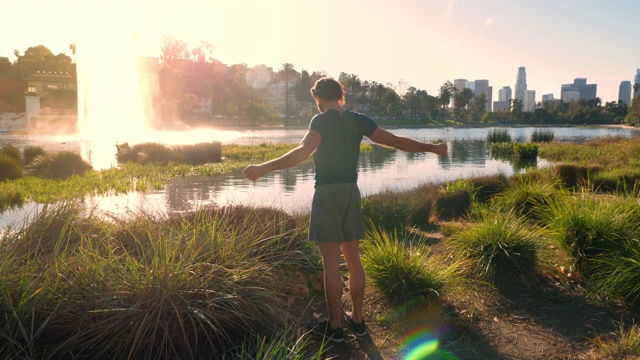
(579, 86)
(637, 81)
(624, 94)
(482, 87)
(521, 84)
(504, 94)
(529, 103)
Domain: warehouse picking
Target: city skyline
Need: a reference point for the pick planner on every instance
(423, 43)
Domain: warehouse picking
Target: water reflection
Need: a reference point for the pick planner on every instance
(292, 189)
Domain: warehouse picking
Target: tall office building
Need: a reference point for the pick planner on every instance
(521, 84)
(504, 94)
(460, 84)
(637, 81)
(482, 87)
(579, 86)
(529, 102)
(624, 94)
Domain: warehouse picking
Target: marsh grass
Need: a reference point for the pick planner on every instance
(29, 153)
(502, 247)
(540, 135)
(588, 226)
(406, 273)
(9, 168)
(624, 343)
(606, 152)
(398, 209)
(528, 196)
(60, 165)
(498, 136)
(83, 285)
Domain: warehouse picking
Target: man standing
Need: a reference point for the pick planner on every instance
(337, 223)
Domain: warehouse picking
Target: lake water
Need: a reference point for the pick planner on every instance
(292, 189)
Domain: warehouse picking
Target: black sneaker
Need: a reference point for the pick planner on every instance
(358, 329)
(325, 329)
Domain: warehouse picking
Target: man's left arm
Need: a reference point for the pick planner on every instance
(307, 146)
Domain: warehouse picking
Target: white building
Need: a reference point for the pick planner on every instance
(529, 103)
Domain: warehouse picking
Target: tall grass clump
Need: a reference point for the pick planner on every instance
(589, 227)
(9, 168)
(573, 175)
(29, 153)
(527, 151)
(202, 153)
(60, 165)
(487, 187)
(528, 196)
(501, 246)
(498, 136)
(404, 273)
(78, 284)
(146, 153)
(399, 209)
(12, 152)
(540, 135)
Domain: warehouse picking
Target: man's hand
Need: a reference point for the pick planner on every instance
(254, 172)
(440, 149)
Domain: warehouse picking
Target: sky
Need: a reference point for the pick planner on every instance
(419, 43)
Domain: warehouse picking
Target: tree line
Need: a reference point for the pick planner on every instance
(187, 74)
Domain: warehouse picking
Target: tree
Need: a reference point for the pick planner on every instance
(203, 53)
(287, 69)
(173, 50)
(477, 107)
(447, 90)
(40, 58)
(516, 109)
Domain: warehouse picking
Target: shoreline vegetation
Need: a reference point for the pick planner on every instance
(239, 282)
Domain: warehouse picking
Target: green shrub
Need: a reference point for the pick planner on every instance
(586, 227)
(60, 165)
(10, 168)
(486, 187)
(526, 151)
(31, 152)
(528, 196)
(498, 136)
(501, 246)
(403, 273)
(12, 152)
(540, 135)
(452, 205)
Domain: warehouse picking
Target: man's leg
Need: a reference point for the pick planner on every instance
(357, 278)
(332, 281)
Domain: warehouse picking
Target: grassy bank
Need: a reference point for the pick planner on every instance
(233, 282)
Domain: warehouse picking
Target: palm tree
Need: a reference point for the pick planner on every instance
(287, 69)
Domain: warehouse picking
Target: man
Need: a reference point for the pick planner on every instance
(337, 223)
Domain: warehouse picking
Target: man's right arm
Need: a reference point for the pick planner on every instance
(386, 138)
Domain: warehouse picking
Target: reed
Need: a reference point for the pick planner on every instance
(498, 136)
(10, 168)
(540, 135)
(79, 284)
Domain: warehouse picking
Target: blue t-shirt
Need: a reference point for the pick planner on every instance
(336, 159)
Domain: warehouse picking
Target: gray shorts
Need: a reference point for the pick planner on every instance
(336, 213)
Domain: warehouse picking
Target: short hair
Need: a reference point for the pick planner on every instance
(328, 89)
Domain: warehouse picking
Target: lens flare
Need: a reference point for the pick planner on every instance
(422, 343)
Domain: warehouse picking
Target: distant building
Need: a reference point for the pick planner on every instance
(460, 84)
(504, 94)
(548, 97)
(637, 81)
(482, 87)
(569, 96)
(584, 90)
(529, 103)
(521, 84)
(42, 83)
(501, 106)
(624, 94)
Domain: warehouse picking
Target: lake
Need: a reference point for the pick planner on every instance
(292, 189)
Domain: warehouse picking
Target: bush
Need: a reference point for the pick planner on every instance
(542, 136)
(501, 246)
(60, 165)
(525, 151)
(10, 168)
(12, 152)
(31, 152)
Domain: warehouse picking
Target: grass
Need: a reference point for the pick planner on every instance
(502, 247)
(540, 135)
(498, 136)
(78, 284)
(407, 274)
(622, 344)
